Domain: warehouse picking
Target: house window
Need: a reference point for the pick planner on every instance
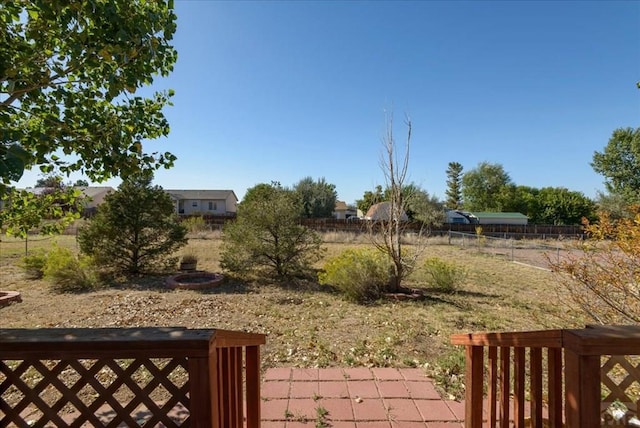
(211, 206)
(194, 203)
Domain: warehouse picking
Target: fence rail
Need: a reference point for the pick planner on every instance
(131, 376)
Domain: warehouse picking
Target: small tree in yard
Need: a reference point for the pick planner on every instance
(386, 234)
(604, 279)
(135, 230)
(267, 234)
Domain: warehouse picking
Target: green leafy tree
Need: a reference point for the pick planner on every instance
(521, 199)
(484, 187)
(619, 163)
(49, 212)
(454, 186)
(50, 181)
(425, 208)
(69, 72)
(615, 205)
(135, 229)
(418, 204)
(267, 234)
(370, 198)
(318, 198)
(81, 183)
(558, 205)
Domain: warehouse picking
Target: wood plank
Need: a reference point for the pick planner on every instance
(505, 385)
(582, 389)
(80, 343)
(253, 386)
(555, 380)
(518, 387)
(535, 376)
(603, 340)
(474, 367)
(199, 392)
(492, 392)
(542, 338)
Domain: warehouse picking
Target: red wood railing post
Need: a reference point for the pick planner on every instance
(582, 389)
(214, 379)
(554, 364)
(474, 376)
(253, 386)
(199, 392)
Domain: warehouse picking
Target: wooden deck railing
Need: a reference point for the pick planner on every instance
(129, 377)
(508, 372)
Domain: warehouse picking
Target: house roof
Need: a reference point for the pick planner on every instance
(95, 194)
(381, 211)
(487, 214)
(341, 206)
(92, 191)
(201, 194)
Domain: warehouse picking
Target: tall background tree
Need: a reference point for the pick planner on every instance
(418, 204)
(454, 186)
(318, 198)
(370, 198)
(69, 72)
(484, 187)
(558, 205)
(619, 163)
(267, 235)
(50, 181)
(135, 229)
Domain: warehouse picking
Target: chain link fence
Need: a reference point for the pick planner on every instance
(530, 252)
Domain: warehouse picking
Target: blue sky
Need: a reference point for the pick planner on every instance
(284, 90)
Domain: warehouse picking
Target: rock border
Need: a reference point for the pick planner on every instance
(9, 297)
(176, 281)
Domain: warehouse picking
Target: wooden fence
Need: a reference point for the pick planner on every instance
(508, 231)
(111, 377)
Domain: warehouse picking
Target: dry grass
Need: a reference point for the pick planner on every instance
(306, 324)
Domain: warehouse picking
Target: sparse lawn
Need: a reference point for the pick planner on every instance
(307, 324)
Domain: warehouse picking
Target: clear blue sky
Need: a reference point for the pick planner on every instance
(283, 90)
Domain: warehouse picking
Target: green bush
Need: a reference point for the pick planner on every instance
(444, 275)
(359, 274)
(68, 273)
(34, 264)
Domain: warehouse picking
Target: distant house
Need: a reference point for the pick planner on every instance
(382, 211)
(343, 211)
(459, 217)
(501, 218)
(204, 202)
(92, 197)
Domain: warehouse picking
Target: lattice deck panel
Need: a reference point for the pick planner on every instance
(94, 392)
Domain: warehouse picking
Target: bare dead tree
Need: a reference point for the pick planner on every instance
(386, 234)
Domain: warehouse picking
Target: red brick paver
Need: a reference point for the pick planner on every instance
(356, 397)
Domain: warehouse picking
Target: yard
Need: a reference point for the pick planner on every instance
(308, 325)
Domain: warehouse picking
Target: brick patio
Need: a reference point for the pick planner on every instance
(355, 397)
